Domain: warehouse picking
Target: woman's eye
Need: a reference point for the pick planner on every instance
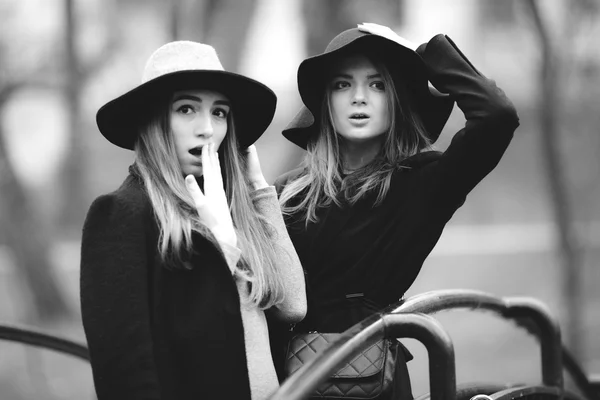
(221, 113)
(378, 85)
(340, 85)
(185, 109)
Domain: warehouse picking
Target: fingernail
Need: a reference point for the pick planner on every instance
(189, 179)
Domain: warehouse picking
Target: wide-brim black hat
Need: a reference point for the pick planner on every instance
(404, 64)
(184, 65)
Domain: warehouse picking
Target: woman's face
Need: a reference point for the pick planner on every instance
(198, 117)
(358, 101)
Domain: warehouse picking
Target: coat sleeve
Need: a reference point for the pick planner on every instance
(293, 307)
(490, 117)
(115, 300)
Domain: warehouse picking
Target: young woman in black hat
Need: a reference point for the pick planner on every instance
(370, 200)
(175, 280)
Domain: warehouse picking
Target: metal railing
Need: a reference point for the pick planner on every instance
(30, 336)
(528, 313)
(405, 319)
(401, 320)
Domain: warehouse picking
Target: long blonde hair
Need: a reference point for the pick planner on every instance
(322, 182)
(177, 218)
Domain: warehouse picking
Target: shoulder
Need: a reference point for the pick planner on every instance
(129, 202)
(282, 181)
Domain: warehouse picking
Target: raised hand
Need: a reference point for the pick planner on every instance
(386, 32)
(212, 205)
(254, 172)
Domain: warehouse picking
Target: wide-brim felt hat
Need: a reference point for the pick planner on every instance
(405, 65)
(183, 65)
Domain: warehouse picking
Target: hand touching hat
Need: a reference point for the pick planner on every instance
(384, 31)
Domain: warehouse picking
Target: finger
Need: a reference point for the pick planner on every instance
(251, 150)
(194, 190)
(369, 27)
(205, 156)
(216, 165)
(215, 158)
(208, 169)
(213, 181)
(252, 158)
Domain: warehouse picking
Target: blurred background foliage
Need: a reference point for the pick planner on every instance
(532, 228)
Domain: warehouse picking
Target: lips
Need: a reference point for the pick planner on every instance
(359, 116)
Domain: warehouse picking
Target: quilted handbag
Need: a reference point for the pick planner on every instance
(370, 375)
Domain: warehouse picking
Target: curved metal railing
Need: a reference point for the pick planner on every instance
(44, 340)
(547, 332)
(528, 313)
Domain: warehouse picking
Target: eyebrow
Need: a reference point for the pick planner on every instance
(199, 100)
(346, 76)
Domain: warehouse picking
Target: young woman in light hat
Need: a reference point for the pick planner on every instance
(175, 279)
(370, 200)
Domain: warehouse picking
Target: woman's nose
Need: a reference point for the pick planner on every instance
(359, 95)
(204, 126)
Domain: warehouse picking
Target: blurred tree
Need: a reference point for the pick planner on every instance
(222, 23)
(25, 236)
(550, 109)
(76, 74)
(21, 228)
(73, 168)
(325, 19)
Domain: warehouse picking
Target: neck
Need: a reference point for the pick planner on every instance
(357, 155)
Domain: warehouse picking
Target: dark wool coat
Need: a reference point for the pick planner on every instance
(155, 333)
(377, 251)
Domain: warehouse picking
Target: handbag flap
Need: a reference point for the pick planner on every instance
(304, 347)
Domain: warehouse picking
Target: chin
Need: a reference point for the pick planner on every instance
(362, 137)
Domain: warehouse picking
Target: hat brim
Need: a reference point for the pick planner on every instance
(252, 103)
(405, 66)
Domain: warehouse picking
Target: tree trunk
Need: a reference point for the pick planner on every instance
(223, 24)
(549, 121)
(72, 179)
(174, 14)
(325, 19)
(24, 236)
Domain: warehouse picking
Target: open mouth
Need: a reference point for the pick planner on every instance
(196, 151)
(359, 116)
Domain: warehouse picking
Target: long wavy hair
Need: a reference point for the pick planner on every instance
(158, 166)
(322, 181)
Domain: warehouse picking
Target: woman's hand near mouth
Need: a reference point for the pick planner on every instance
(212, 205)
